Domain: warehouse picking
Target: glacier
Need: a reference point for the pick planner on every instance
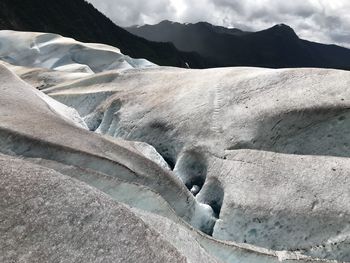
(121, 160)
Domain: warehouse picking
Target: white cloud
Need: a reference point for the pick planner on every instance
(318, 20)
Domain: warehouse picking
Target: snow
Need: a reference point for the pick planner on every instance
(54, 52)
(149, 152)
(66, 112)
(243, 144)
(48, 217)
(198, 119)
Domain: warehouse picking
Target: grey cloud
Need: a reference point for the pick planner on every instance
(341, 37)
(318, 20)
(132, 12)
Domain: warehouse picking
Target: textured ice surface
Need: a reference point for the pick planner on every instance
(234, 153)
(50, 51)
(46, 217)
(68, 113)
(195, 118)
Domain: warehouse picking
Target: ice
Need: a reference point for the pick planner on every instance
(52, 51)
(199, 155)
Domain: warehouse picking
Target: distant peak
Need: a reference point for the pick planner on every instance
(167, 22)
(282, 26)
(283, 30)
(203, 23)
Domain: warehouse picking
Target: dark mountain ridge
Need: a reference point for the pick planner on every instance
(80, 20)
(199, 45)
(276, 47)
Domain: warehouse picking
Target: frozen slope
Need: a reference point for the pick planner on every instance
(29, 128)
(128, 172)
(196, 119)
(234, 153)
(52, 51)
(48, 217)
(286, 111)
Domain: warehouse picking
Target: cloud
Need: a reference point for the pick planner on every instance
(318, 20)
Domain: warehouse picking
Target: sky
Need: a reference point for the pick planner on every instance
(326, 21)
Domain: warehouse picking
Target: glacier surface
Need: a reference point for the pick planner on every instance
(120, 160)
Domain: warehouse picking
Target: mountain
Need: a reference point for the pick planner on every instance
(276, 47)
(80, 20)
